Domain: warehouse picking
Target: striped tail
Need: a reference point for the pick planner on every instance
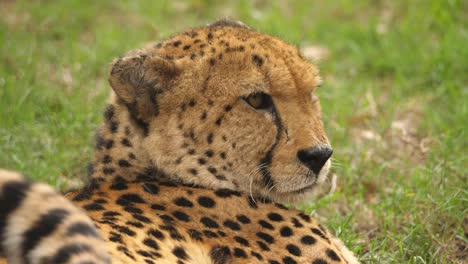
(37, 225)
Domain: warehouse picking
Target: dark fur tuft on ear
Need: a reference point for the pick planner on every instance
(138, 79)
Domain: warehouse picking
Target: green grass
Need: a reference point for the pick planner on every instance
(394, 102)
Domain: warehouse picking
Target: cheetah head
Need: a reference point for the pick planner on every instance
(224, 106)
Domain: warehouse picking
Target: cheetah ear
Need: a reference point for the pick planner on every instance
(137, 80)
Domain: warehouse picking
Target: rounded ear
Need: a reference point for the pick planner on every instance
(138, 79)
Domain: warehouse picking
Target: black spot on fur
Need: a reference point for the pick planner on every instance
(275, 217)
(296, 222)
(319, 233)
(227, 108)
(93, 207)
(195, 234)
(151, 243)
(113, 127)
(294, 250)
(115, 237)
(107, 170)
(192, 103)
(263, 246)
(286, 231)
(142, 218)
(210, 234)
(319, 261)
(212, 170)
(100, 201)
(220, 177)
(240, 253)
(126, 142)
(129, 198)
(289, 260)
(269, 239)
(209, 153)
(232, 225)
(243, 219)
(124, 163)
(150, 188)
(135, 224)
(180, 253)
(257, 60)
(225, 193)
(304, 217)
(158, 207)
(280, 206)
(133, 210)
(332, 255)
(208, 222)
(106, 159)
(108, 144)
(265, 224)
(212, 61)
(258, 256)
(181, 216)
(183, 202)
(156, 234)
(109, 112)
(206, 202)
(100, 142)
(308, 240)
(241, 241)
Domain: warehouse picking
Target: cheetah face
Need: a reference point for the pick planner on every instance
(227, 107)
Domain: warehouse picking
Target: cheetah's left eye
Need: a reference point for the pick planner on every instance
(259, 101)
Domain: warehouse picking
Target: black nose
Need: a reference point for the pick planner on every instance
(314, 158)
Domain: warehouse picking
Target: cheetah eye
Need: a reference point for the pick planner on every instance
(259, 101)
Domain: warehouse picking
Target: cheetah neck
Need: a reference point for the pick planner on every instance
(118, 154)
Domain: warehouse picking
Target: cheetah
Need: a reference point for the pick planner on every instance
(207, 134)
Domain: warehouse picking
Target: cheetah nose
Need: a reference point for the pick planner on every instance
(315, 157)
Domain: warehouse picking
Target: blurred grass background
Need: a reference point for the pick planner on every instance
(394, 102)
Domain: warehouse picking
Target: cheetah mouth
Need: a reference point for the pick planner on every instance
(304, 189)
(301, 190)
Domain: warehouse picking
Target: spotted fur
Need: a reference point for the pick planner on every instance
(186, 169)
